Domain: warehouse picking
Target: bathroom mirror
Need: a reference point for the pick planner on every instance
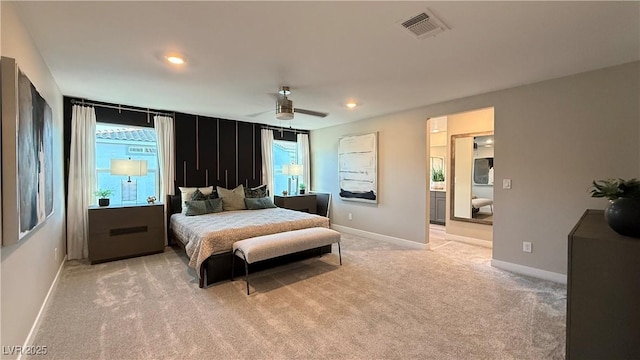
(471, 195)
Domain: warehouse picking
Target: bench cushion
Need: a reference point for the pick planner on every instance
(270, 246)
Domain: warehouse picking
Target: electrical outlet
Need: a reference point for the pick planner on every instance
(55, 252)
(350, 216)
(526, 246)
(506, 183)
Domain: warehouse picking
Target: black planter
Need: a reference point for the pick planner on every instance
(301, 192)
(103, 202)
(623, 216)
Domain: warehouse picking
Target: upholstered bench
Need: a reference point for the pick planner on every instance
(270, 246)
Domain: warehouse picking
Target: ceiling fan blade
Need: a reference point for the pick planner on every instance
(310, 112)
(260, 113)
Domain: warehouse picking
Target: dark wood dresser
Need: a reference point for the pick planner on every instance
(122, 231)
(307, 202)
(603, 292)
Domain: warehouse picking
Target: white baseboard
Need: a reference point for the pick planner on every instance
(529, 271)
(386, 238)
(469, 240)
(36, 322)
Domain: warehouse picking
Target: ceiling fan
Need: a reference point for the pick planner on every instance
(285, 109)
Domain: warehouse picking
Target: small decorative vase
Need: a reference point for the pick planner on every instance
(623, 216)
(103, 202)
(284, 193)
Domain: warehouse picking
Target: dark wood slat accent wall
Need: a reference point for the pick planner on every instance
(246, 151)
(208, 147)
(185, 129)
(227, 153)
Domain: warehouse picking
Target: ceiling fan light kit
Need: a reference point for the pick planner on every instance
(284, 109)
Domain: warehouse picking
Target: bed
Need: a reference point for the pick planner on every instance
(208, 239)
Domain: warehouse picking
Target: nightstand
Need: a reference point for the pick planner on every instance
(123, 231)
(306, 203)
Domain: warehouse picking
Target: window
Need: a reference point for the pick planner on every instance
(126, 142)
(284, 152)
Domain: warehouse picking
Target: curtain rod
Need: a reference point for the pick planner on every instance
(270, 127)
(119, 107)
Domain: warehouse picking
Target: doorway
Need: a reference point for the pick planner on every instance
(461, 174)
(437, 133)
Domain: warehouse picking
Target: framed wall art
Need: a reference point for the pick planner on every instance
(27, 155)
(358, 167)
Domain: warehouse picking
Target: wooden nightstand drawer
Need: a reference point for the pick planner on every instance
(118, 232)
(306, 203)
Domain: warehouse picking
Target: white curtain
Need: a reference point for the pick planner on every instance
(166, 154)
(166, 160)
(82, 180)
(267, 159)
(304, 159)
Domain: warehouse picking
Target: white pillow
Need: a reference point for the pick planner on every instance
(187, 192)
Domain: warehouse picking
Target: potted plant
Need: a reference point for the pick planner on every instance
(437, 178)
(103, 196)
(302, 187)
(623, 212)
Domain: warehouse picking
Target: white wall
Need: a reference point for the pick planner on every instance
(583, 127)
(29, 267)
(402, 175)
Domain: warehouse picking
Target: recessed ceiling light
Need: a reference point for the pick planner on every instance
(175, 59)
(351, 104)
(435, 131)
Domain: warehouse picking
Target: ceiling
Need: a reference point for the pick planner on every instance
(239, 53)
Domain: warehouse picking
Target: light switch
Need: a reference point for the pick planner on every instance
(506, 183)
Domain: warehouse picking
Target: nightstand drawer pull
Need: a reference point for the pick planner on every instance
(129, 230)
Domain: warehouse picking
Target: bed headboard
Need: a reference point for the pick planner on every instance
(174, 204)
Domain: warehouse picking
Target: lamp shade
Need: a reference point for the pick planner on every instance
(295, 169)
(292, 169)
(128, 167)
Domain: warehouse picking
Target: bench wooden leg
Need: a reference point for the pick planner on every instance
(339, 253)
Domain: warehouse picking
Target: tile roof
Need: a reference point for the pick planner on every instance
(127, 134)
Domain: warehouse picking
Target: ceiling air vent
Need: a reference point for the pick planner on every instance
(424, 25)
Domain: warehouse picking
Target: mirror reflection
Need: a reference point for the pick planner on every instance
(437, 173)
(472, 173)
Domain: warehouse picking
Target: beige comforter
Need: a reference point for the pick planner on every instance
(210, 234)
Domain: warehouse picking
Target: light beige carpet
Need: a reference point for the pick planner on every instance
(385, 302)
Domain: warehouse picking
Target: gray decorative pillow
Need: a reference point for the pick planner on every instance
(259, 203)
(256, 192)
(232, 199)
(187, 192)
(201, 207)
(198, 195)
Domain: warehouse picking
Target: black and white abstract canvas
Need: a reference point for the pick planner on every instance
(358, 167)
(35, 157)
